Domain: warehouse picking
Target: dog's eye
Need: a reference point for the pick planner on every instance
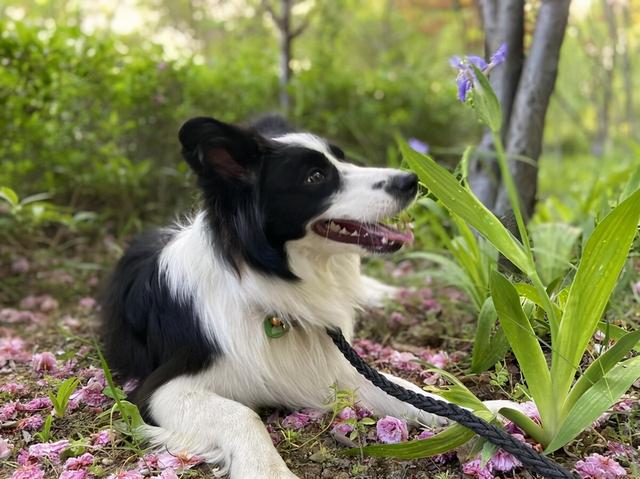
(316, 176)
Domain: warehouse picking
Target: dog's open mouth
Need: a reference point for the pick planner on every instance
(375, 237)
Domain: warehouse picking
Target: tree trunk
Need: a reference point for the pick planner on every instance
(503, 23)
(287, 34)
(526, 126)
(285, 56)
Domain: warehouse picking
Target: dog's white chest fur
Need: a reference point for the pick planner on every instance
(260, 370)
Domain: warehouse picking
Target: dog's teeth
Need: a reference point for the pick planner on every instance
(355, 233)
(344, 231)
(384, 240)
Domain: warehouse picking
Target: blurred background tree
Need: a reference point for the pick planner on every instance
(94, 92)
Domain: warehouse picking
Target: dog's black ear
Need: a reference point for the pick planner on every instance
(216, 149)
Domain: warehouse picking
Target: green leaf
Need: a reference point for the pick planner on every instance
(553, 246)
(602, 366)
(604, 256)
(523, 341)
(529, 426)
(9, 196)
(487, 349)
(529, 292)
(61, 399)
(444, 441)
(485, 101)
(463, 203)
(596, 400)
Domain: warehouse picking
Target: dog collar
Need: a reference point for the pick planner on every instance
(274, 326)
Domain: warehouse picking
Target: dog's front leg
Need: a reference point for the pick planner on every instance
(193, 419)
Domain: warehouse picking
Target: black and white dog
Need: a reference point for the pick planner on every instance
(284, 224)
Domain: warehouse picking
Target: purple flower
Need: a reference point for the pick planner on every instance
(626, 404)
(80, 462)
(477, 469)
(168, 474)
(617, 449)
(419, 146)
(31, 423)
(344, 422)
(342, 428)
(5, 448)
(466, 77)
(296, 420)
(391, 430)
(596, 466)
(500, 55)
(21, 265)
(503, 461)
(404, 361)
(28, 471)
(44, 362)
(636, 287)
(530, 410)
(36, 404)
(87, 303)
(74, 474)
(13, 389)
(8, 411)
(425, 434)
(50, 450)
(102, 438)
(133, 474)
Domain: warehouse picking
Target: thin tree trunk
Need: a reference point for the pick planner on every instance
(524, 137)
(504, 23)
(285, 56)
(287, 34)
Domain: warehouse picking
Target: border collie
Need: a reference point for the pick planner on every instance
(284, 223)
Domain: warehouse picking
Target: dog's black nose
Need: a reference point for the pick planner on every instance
(403, 186)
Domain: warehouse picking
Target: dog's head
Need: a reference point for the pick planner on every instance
(262, 192)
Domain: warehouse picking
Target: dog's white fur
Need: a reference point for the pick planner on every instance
(211, 413)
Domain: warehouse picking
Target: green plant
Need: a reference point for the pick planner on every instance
(130, 418)
(565, 410)
(566, 406)
(60, 399)
(45, 434)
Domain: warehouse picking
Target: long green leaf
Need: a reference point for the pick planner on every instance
(596, 400)
(603, 259)
(524, 343)
(487, 349)
(525, 423)
(444, 441)
(464, 204)
(602, 366)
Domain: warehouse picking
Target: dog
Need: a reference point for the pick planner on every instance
(192, 310)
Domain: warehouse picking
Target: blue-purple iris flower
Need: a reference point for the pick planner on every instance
(419, 146)
(465, 77)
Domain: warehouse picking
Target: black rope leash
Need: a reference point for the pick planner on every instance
(530, 459)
